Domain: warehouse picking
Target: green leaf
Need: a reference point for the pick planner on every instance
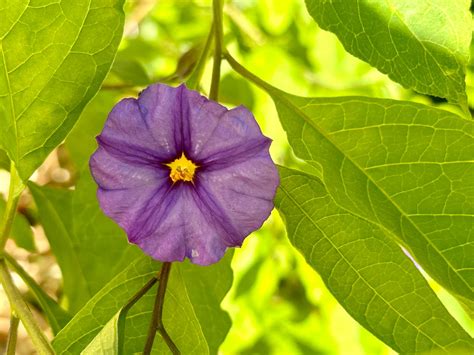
(406, 167)
(236, 91)
(89, 321)
(130, 72)
(192, 313)
(21, 231)
(206, 288)
(54, 58)
(111, 337)
(366, 270)
(55, 212)
(57, 317)
(421, 44)
(90, 248)
(102, 245)
(81, 141)
(4, 160)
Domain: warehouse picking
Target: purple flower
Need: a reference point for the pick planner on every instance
(183, 175)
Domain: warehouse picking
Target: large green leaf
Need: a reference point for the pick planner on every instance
(192, 313)
(54, 56)
(406, 167)
(89, 247)
(366, 270)
(421, 44)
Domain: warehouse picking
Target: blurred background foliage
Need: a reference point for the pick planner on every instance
(278, 304)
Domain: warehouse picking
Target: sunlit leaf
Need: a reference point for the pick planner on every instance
(421, 44)
(54, 58)
(406, 167)
(366, 270)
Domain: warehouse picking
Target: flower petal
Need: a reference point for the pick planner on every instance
(169, 113)
(180, 227)
(203, 116)
(126, 135)
(244, 192)
(131, 208)
(111, 172)
(234, 134)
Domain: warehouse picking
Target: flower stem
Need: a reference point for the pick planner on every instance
(217, 7)
(156, 324)
(195, 77)
(16, 186)
(21, 309)
(12, 334)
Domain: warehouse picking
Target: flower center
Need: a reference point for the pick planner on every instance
(182, 169)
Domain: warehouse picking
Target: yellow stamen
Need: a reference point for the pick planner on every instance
(182, 169)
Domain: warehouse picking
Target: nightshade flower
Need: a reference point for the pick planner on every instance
(183, 175)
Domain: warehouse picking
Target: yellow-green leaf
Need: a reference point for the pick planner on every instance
(53, 58)
(421, 44)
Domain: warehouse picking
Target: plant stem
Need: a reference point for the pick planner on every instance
(217, 7)
(12, 334)
(195, 77)
(21, 309)
(16, 186)
(156, 324)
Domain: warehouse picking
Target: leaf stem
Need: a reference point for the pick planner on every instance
(21, 309)
(156, 324)
(217, 7)
(12, 334)
(16, 186)
(195, 77)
